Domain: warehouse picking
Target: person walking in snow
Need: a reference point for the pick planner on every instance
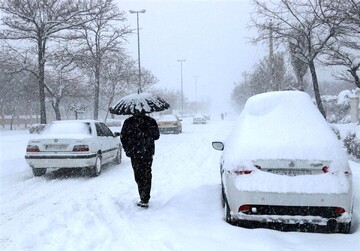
(138, 136)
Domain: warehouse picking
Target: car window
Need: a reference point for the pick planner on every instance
(107, 132)
(99, 130)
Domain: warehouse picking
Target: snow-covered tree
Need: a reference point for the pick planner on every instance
(315, 22)
(37, 22)
(103, 35)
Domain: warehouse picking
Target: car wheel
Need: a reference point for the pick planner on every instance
(344, 228)
(96, 170)
(222, 196)
(227, 213)
(118, 156)
(38, 171)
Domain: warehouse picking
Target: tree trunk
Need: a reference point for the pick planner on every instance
(316, 88)
(356, 77)
(41, 81)
(301, 84)
(96, 95)
(56, 108)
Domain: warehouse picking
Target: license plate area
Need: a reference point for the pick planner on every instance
(58, 147)
(290, 172)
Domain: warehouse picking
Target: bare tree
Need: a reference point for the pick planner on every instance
(103, 35)
(16, 84)
(39, 21)
(341, 55)
(346, 52)
(16, 91)
(315, 22)
(258, 80)
(119, 72)
(173, 97)
(63, 78)
(147, 79)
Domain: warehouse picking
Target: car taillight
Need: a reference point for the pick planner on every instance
(81, 148)
(241, 172)
(325, 169)
(244, 208)
(339, 210)
(32, 149)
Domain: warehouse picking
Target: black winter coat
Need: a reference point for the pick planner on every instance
(138, 135)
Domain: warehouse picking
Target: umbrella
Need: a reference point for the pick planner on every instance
(139, 102)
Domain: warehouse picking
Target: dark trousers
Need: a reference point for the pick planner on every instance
(142, 173)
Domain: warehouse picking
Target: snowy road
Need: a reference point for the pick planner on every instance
(62, 211)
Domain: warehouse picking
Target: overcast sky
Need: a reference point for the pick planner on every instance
(212, 37)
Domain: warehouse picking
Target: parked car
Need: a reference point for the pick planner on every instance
(169, 123)
(73, 144)
(283, 167)
(199, 119)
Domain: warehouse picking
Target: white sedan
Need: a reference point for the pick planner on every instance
(73, 144)
(283, 167)
(199, 119)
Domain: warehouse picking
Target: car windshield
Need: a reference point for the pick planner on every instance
(68, 128)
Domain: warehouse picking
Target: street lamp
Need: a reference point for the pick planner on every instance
(182, 91)
(138, 35)
(196, 77)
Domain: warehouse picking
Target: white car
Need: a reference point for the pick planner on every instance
(283, 167)
(73, 144)
(199, 119)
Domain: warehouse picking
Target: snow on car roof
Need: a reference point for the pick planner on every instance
(282, 125)
(68, 127)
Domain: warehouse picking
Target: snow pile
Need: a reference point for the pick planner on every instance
(343, 97)
(282, 125)
(66, 127)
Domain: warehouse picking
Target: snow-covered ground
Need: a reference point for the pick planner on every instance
(62, 211)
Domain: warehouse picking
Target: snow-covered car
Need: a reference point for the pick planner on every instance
(169, 123)
(73, 144)
(283, 167)
(199, 119)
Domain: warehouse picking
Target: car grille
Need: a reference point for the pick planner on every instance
(325, 212)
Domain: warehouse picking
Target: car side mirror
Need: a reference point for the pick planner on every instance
(116, 134)
(217, 145)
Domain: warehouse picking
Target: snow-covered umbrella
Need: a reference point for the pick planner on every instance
(139, 102)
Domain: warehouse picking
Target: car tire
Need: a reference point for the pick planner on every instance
(344, 228)
(38, 171)
(96, 170)
(118, 156)
(227, 214)
(222, 196)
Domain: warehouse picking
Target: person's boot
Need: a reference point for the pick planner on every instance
(143, 204)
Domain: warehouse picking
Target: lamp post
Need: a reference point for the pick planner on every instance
(138, 35)
(182, 91)
(196, 77)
